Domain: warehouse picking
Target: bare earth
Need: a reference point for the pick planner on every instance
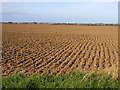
(59, 49)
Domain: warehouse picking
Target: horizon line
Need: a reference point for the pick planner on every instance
(58, 22)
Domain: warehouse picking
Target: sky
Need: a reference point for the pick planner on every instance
(60, 12)
(60, 0)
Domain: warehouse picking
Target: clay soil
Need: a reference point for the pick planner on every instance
(59, 49)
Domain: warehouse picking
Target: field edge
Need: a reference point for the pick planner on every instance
(72, 80)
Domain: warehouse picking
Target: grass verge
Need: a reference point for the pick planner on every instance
(72, 80)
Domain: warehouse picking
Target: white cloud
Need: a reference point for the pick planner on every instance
(60, 0)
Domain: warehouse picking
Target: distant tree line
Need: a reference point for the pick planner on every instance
(97, 24)
(89, 24)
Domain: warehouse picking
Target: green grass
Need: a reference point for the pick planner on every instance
(73, 80)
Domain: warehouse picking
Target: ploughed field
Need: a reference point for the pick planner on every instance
(59, 49)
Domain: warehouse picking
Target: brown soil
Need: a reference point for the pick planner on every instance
(59, 49)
